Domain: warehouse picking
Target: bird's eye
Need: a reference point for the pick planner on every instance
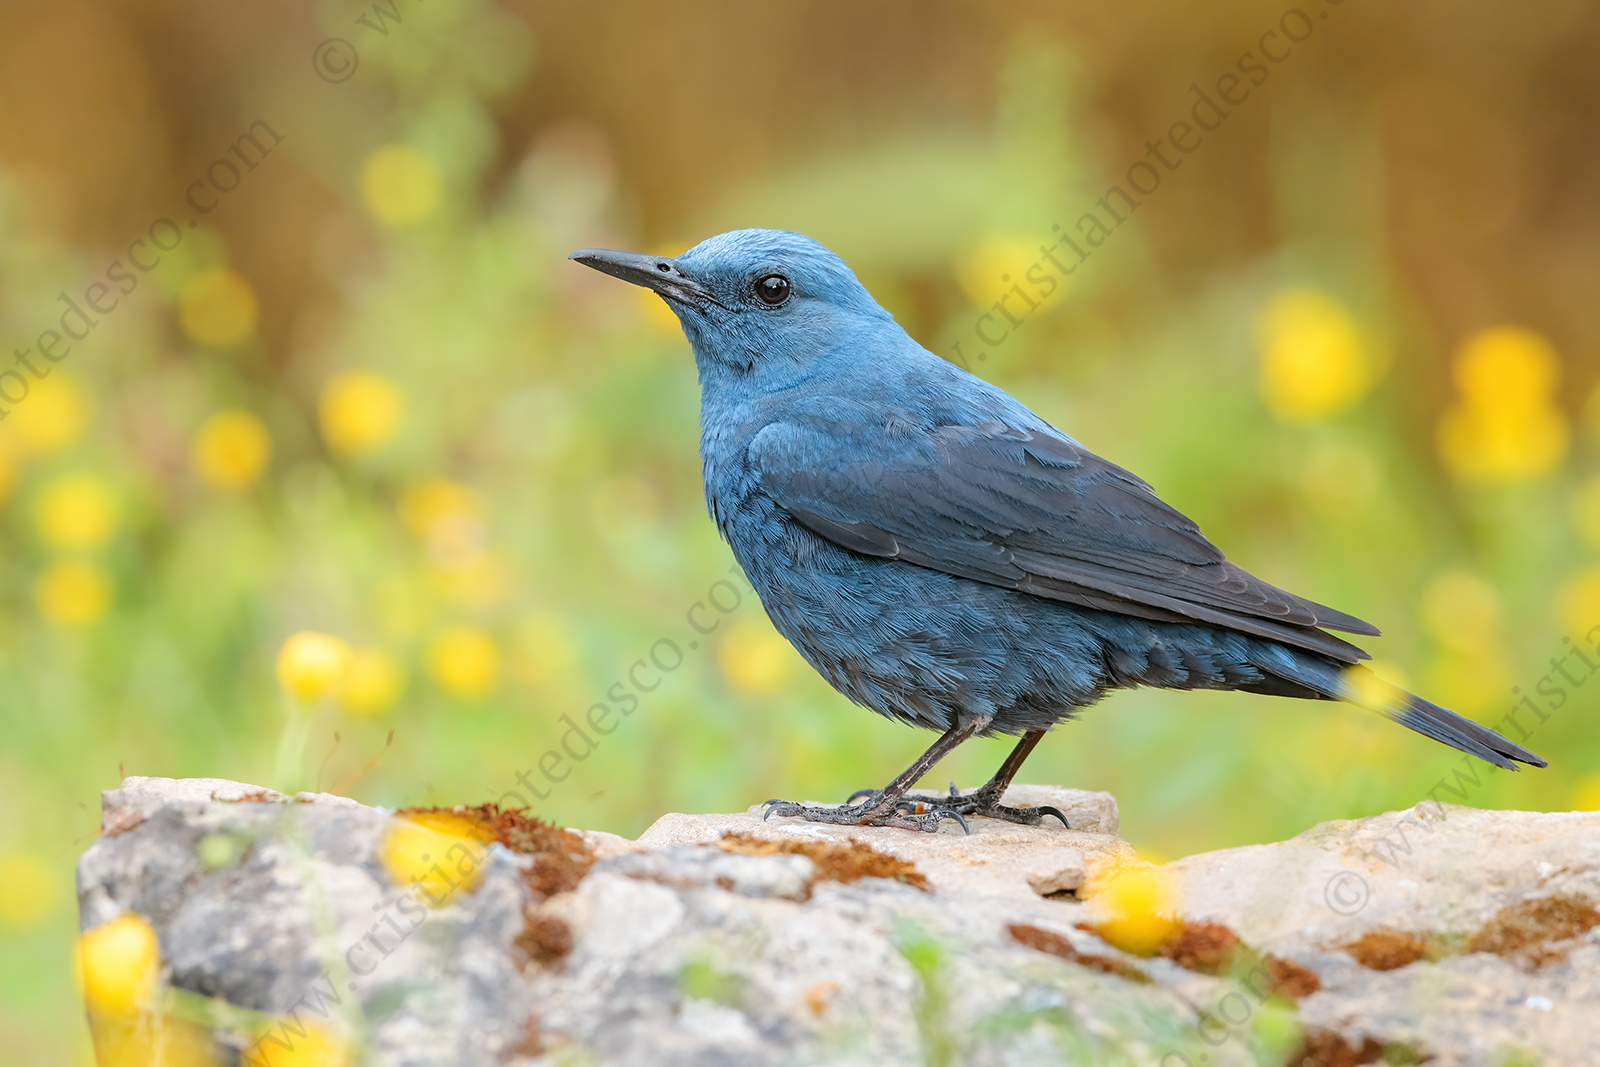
(773, 289)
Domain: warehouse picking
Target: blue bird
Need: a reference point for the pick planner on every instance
(944, 556)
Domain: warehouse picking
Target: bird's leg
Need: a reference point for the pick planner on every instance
(985, 800)
(887, 806)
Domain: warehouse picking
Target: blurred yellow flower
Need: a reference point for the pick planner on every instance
(1314, 362)
(1134, 906)
(755, 658)
(55, 415)
(987, 270)
(1371, 690)
(438, 851)
(118, 964)
(1578, 603)
(1586, 794)
(312, 664)
(1461, 611)
(231, 449)
(373, 681)
(1506, 366)
(1505, 426)
(360, 411)
(72, 593)
(1585, 511)
(218, 308)
(294, 1043)
(28, 890)
(76, 511)
(464, 662)
(423, 505)
(400, 185)
(153, 1040)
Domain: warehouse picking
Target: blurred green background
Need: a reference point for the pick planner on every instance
(1353, 335)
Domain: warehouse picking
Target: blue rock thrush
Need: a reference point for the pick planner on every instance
(947, 558)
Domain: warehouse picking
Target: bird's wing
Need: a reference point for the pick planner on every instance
(1027, 510)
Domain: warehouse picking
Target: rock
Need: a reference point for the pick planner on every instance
(1448, 933)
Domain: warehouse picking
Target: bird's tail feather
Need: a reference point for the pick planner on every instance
(1361, 687)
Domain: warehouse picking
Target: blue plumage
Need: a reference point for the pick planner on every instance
(944, 556)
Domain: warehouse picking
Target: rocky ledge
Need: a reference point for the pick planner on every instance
(313, 929)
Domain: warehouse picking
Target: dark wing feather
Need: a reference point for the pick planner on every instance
(1026, 510)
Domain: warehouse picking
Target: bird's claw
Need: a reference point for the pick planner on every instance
(906, 816)
(956, 806)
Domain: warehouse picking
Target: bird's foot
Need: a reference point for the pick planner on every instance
(916, 816)
(979, 803)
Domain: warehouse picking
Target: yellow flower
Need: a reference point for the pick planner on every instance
(72, 593)
(55, 416)
(118, 964)
(77, 511)
(360, 411)
(284, 1044)
(755, 658)
(1371, 690)
(153, 1040)
(438, 851)
(1134, 907)
(373, 681)
(1461, 611)
(1506, 366)
(464, 662)
(231, 449)
(311, 664)
(1313, 360)
(218, 308)
(28, 889)
(1578, 603)
(425, 504)
(400, 185)
(1586, 512)
(987, 270)
(1586, 794)
(1505, 427)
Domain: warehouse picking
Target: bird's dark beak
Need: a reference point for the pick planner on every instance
(653, 272)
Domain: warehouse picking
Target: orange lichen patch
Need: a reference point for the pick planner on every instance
(1526, 928)
(1290, 980)
(561, 858)
(1055, 945)
(819, 996)
(1324, 1048)
(546, 939)
(848, 862)
(1387, 950)
(1204, 947)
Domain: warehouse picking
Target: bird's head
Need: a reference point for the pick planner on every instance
(761, 304)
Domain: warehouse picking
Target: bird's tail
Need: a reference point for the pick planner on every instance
(1361, 687)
